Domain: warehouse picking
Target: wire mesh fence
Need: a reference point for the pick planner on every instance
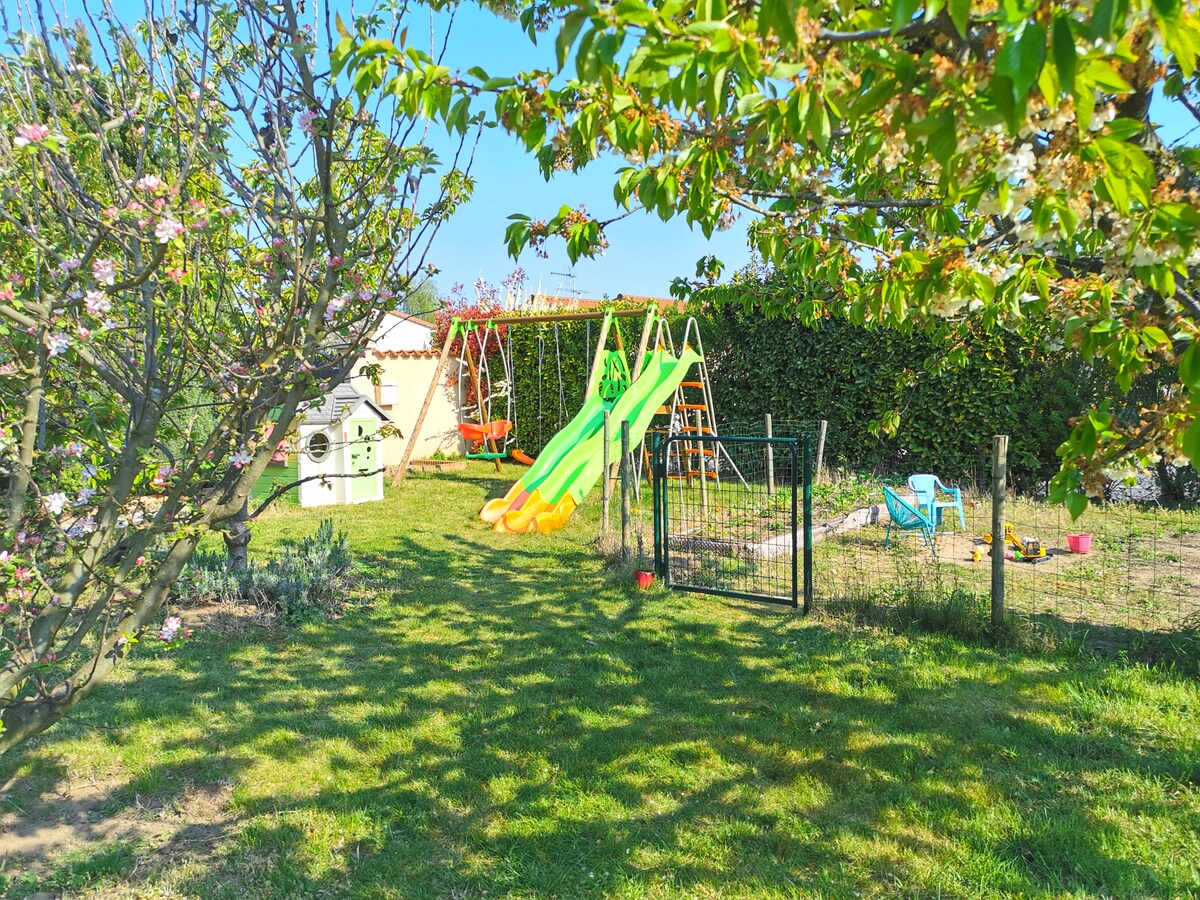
(1127, 566)
(1124, 565)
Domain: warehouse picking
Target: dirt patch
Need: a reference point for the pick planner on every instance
(232, 620)
(957, 547)
(37, 829)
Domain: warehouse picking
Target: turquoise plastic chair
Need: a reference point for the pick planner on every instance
(926, 488)
(906, 517)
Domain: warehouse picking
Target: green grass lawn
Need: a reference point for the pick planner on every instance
(502, 720)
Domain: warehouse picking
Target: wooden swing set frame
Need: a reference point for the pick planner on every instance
(456, 324)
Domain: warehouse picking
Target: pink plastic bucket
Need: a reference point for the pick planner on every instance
(1079, 543)
(643, 579)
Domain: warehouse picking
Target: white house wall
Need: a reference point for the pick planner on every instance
(396, 333)
(410, 373)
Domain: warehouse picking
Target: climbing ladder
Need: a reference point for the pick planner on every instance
(690, 413)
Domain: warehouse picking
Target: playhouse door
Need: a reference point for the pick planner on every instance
(364, 457)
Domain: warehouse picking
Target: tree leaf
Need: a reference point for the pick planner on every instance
(1154, 336)
(572, 22)
(960, 14)
(1191, 443)
(943, 142)
(1189, 368)
(903, 12)
(818, 123)
(1064, 53)
(1077, 504)
(1021, 60)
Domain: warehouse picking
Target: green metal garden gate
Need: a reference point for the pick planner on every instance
(733, 516)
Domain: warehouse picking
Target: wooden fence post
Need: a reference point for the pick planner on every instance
(770, 458)
(999, 484)
(822, 427)
(626, 478)
(606, 481)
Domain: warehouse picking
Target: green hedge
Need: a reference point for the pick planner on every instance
(857, 378)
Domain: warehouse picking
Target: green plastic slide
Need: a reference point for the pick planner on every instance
(549, 492)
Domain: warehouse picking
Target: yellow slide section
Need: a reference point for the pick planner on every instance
(536, 515)
(494, 509)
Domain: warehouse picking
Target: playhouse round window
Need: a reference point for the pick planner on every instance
(318, 446)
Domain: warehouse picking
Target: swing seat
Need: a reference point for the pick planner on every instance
(478, 436)
(488, 431)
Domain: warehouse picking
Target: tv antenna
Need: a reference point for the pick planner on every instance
(571, 275)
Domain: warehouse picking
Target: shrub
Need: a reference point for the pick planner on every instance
(304, 583)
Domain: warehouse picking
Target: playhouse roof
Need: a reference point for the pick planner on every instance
(339, 404)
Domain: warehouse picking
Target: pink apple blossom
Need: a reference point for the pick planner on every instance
(168, 229)
(58, 343)
(33, 133)
(97, 302)
(149, 183)
(104, 270)
(170, 628)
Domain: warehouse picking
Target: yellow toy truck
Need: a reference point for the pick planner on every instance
(1023, 548)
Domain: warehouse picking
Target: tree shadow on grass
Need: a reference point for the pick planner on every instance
(498, 725)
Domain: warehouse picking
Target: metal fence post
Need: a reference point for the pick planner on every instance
(770, 457)
(659, 496)
(822, 427)
(999, 484)
(808, 559)
(606, 481)
(626, 519)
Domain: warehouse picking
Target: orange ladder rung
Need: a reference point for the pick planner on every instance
(694, 450)
(695, 384)
(704, 429)
(692, 406)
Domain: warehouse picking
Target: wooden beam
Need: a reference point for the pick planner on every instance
(597, 361)
(644, 342)
(474, 373)
(433, 385)
(563, 317)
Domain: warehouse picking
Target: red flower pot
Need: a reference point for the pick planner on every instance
(643, 579)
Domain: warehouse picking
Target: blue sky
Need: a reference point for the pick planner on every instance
(645, 255)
